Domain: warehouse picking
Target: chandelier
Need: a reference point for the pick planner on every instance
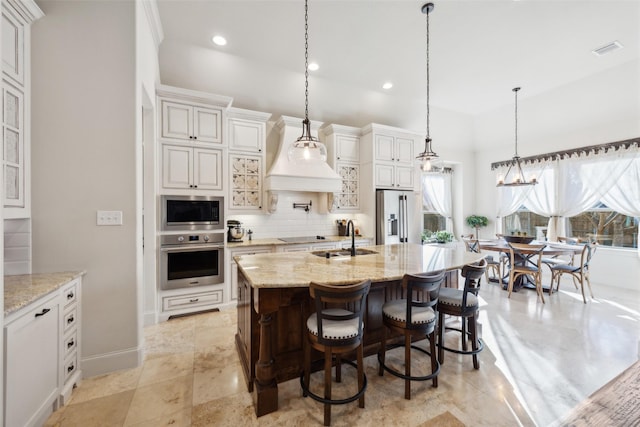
(307, 148)
(428, 159)
(514, 176)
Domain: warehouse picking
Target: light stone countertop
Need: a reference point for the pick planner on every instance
(22, 290)
(246, 243)
(297, 269)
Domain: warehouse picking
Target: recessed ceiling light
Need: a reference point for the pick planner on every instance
(219, 40)
(313, 66)
(608, 48)
(387, 85)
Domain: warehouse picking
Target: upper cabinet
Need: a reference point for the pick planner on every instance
(17, 17)
(391, 155)
(192, 142)
(343, 155)
(247, 140)
(183, 122)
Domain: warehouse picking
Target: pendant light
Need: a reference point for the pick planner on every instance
(428, 159)
(307, 148)
(514, 176)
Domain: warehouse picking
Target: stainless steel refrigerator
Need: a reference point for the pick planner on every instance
(397, 217)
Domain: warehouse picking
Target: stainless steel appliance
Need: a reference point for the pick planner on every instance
(397, 217)
(235, 232)
(191, 260)
(192, 213)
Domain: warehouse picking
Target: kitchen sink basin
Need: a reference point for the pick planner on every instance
(342, 252)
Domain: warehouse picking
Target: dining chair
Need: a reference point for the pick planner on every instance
(473, 245)
(561, 259)
(336, 328)
(579, 273)
(521, 256)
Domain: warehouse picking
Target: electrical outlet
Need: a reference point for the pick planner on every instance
(109, 218)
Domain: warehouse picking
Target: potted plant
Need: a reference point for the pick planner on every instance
(477, 221)
(443, 236)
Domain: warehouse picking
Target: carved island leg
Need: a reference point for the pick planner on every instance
(266, 387)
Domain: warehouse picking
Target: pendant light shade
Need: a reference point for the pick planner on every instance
(514, 176)
(306, 148)
(428, 160)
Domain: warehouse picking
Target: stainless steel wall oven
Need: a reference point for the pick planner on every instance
(191, 260)
(192, 213)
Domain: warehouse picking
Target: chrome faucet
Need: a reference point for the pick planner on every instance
(353, 237)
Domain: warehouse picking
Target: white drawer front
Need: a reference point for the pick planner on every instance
(70, 343)
(70, 318)
(70, 366)
(192, 300)
(70, 293)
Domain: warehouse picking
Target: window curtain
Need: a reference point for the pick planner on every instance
(436, 196)
(571, 186)
(624, 195)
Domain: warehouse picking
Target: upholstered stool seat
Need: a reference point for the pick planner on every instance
(462, 303)
(335, 328)
(413, 315)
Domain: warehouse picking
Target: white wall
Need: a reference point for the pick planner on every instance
(84, 159)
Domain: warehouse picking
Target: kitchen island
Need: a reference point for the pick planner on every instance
(274, 303)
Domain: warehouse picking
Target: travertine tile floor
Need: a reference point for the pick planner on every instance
(539, 362)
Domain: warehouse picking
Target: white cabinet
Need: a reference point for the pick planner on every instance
(343, 154)
(70, 372)
(246, 181)
(247, 140)
(14, 150)
(233, 267)
(32, 341)
(191, 168)
(390, 155)
(185, 122)
(17, 17)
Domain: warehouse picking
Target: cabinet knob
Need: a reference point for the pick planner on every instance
(190, 137)
(338, 158)
(195, 186)
(70, 320)
(195, 137)
(43, 312)
(259, 150)
(70, 344)
(194, 300)
(71, 368)
(70, 295)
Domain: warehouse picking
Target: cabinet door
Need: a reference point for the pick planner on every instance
(14, 161)
(349, 197)
(348, 148)
(383, 146)
(32, 354)
(385, 175)
(404, 177)
(207, 125)
(404, 150)
(245, 135)
(177, 167)
(207, 171)
(12, 47)
(246, 181)
(177, 121)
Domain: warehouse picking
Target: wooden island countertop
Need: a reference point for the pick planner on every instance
(274, 303)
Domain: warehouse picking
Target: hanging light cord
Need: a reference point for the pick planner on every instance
(428, 134)
(306, 60)
(516, 91)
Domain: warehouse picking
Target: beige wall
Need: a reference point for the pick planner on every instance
(83, 139)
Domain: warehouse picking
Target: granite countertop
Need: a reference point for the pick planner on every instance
(391, 262)
(22, 290)
(275, 241)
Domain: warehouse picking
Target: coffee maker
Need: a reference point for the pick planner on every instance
(235, 232)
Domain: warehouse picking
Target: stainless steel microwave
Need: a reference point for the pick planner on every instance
(192, 213)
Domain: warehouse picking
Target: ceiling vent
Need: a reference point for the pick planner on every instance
(608, 48)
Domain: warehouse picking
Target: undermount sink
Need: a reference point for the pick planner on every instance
(342, 252)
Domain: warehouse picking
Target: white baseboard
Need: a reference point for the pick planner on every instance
(149, 318)
(111, 362)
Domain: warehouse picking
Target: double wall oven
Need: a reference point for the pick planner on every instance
(192, 247)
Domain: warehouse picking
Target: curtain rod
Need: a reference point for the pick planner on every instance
(595, 149)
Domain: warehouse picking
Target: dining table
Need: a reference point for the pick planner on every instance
(552, 249)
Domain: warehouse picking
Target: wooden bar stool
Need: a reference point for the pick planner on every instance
(462, 303)
(334, 329)
(414, 315)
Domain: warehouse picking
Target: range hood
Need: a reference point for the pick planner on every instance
(286, 175)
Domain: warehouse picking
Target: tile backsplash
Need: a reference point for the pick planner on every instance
(17, 246)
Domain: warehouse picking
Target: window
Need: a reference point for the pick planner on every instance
(433, 222)
(526, 223)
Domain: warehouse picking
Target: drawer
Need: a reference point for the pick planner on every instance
(70, 319)
(70, 366)
(70, 293)
(192, 300)
(70, 343)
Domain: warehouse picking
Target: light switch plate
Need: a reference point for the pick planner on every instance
(109, 218)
